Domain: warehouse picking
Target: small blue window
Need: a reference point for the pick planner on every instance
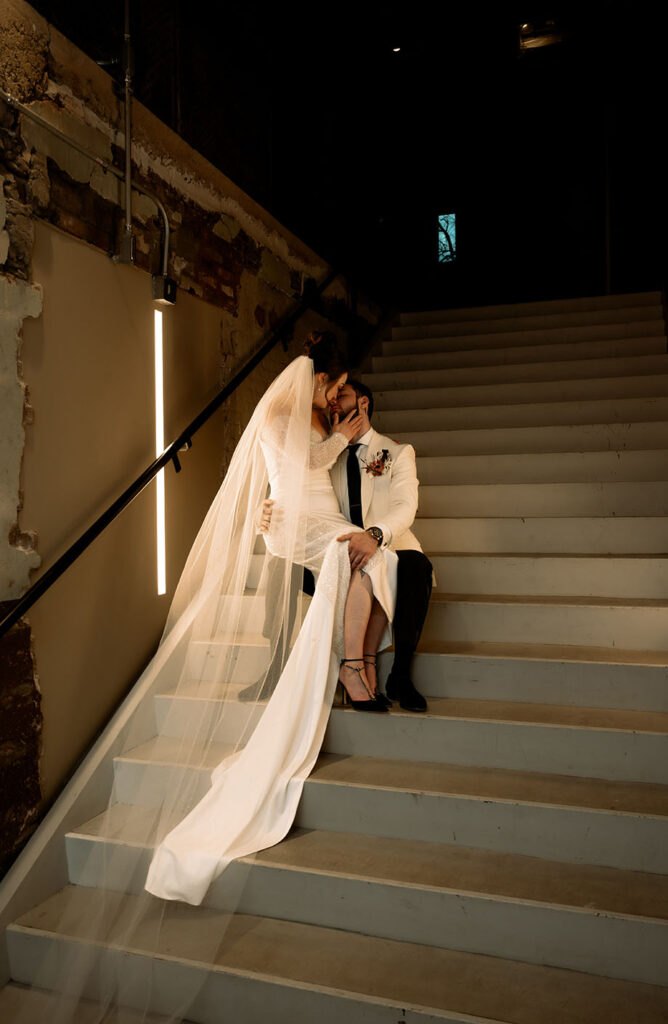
(447, 238)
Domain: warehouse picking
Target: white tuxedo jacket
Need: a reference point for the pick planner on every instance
(390, 500)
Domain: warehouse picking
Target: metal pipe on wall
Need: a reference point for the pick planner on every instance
(127, 254)
(21, 108)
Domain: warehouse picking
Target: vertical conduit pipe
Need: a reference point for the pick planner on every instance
(127, 245)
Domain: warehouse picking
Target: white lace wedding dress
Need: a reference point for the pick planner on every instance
(254, 794)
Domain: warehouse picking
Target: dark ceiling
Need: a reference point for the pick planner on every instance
(357, 148)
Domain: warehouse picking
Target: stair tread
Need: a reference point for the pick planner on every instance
(495, 783)
(442, 866)
(429, 338)
(615, 348)
(489, 386)
(439, 866)
(426, 777)
(536, 440)
(592, 369)
(505, 784)
(486, 415)
(511, 328)
(440, 597)
(528, 712)
(614, 556)
(644, 454)
(405, 973)
(572, 486)
(166, 749)
(544, 652)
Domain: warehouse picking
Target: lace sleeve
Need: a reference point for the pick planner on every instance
(323, 454)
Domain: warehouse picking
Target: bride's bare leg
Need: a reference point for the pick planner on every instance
(374, 631)
(355, 623)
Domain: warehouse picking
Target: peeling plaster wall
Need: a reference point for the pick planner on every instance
(20, 712)
(77, 385)
(18, 300)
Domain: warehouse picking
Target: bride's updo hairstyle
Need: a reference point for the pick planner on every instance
(323, 348)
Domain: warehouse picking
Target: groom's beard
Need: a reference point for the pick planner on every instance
(336, 409)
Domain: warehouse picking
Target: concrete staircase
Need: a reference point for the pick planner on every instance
(503, 858)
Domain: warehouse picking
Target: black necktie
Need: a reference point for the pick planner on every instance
(354, 486)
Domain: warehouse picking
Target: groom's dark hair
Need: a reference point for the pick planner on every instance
(362, 391)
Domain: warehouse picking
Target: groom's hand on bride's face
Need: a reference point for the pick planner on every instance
(360, 549)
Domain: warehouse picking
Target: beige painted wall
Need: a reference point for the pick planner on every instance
(88, 363)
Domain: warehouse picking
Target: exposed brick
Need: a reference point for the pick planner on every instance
(21, 237)
(20, 738)
(249, 253)
(68, 222)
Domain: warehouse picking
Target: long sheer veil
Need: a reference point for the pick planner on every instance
(234, 616)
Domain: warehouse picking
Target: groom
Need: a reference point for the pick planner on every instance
(376, 483)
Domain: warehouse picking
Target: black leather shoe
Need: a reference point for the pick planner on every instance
(403, 690)
(261, 689)
(380, 696)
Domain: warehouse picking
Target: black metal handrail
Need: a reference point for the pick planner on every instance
(170, 454)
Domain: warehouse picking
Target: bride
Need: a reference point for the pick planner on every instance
(237, 608)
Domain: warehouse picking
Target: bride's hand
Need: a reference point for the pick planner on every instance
(348, 426)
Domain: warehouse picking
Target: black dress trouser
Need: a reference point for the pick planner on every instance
(414, 581)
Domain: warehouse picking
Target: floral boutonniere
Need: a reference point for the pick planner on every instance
(378, 463)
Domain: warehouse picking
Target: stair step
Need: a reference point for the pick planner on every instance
(585, 437)
(305, 972)
(482, 357)
(595, 742)
(641, 498)
(541, 391)
(600, 743)
(635, 623)
(598, 576)
(577, 820)
(501, 334)
(540, 534)
(605, 677)
(582, 369)
(528, 323)
(201, 707)
(433, 854)
(609, 304)
(524, 414)
(542, 467)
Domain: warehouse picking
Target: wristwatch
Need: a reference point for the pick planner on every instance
(376, 533)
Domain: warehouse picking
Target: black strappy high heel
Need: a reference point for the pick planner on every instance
(370, 659)
(372, 704)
